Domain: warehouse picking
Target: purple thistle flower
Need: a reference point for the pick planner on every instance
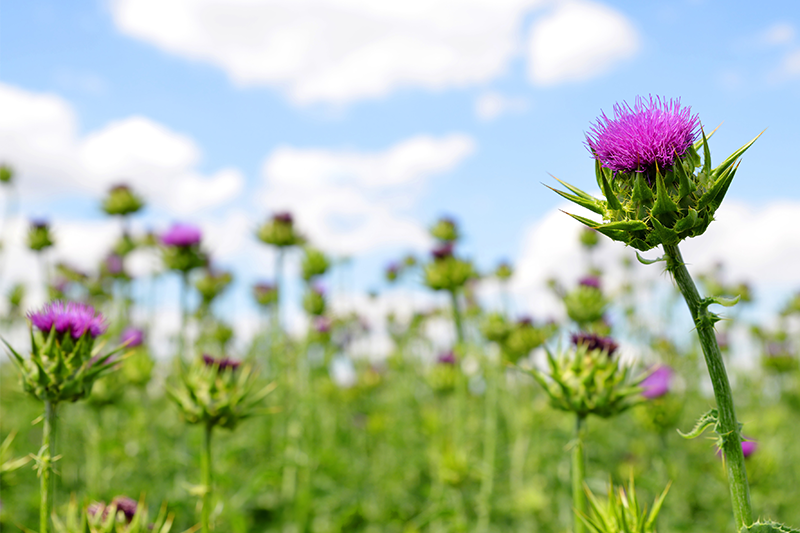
(127, 506)
(640, 137)
(657, 383)
(77, 318)
(322, 324)
(525, 321)
(593, 341)
(447, 358)
(114, 264)
(284, 217)
(183, 235)
(589, 281)
(443, 251)
(132, 337)
(749, 447)
(223, 362)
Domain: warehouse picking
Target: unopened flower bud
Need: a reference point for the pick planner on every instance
(445, 230)
(314, 264)
(121, 200)
(39, 236)
(279, 231)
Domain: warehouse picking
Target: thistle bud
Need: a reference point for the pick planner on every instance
(589, 238)
(122, 201)
(124, 245)
(447, 272)
(496, 328)
(504, 271)
(392, 272)
(265, 294)
(212, 284)
(314, 264)
(39, 236)
(587, 380)
(586, 303)
(443, 375)
(314, 301)
(279, 231)
(181, 248)
(62, 366)
(6, 173)
(525, 337)
(445, 230)
(657, 188)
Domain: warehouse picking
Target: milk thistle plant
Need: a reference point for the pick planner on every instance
(63, 365)
(658, 190)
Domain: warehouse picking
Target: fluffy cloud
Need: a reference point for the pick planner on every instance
(350, 201)
(39, 138)
(491, 105)
(335, 51)
(579, 40)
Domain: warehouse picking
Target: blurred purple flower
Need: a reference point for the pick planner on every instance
(182, 235)
(284, 217)
(126, 505)
(657, 383)
(77, 318)
(132, 337)
(651, 133)
(443, 251)
(749, 447)
(447, 358)
(322, 324)
(223, 362)
(593, 341)
(114, 264)
(589, 281)
(525, 321)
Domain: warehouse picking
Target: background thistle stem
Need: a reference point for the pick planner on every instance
(578, 475)
(184, 311)
(205, 466)
(457, 317)
(47, 481)
(489, 448)
(727, 426)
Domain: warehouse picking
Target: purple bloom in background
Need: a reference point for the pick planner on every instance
(126, 505)
(593, 341)
(749, 447)
(589, 281)
(284, 217)
(114, 264)
(447, 358)
(132, 337)
(223, 362)
(182, 235)
(638, 138)
(657, 383)
(525, 321)
(77, 318)
(443, 251)
(322, 324)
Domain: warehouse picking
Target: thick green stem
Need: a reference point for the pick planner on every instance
(205, 465)
(46, 478)
(457, 317)
(489, 449)
(578, 476)
(184, 312)
(728, 426)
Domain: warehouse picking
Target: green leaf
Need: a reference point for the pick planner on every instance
(709, 418)
(592, 204)
(624, 225)
(768, 527)
(644, 261)
(707, 154)
(723, 301)
(716, 192)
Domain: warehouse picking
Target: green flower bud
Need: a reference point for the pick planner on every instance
(446, 272)
(39, 236)
(279, 231)
(445, 230)
(586, 303)
(6, 174)
(314, 301)
(496, 328)
(504, 271)
(314, 264)
(589, 238)
(212, 284)
(265, 294)
(124, 245)
(526, 337)
(16, 295)
(121, 200)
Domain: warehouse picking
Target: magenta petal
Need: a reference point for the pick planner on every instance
(657, 383)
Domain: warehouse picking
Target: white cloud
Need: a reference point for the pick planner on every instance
(491, 105)
(39, 138)
(335, 51)
(790, 65)
(579, 40)
(778, 34)
(350, 201)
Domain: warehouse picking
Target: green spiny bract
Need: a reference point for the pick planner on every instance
(183, 258)
(585, 382)
(621, 513)
(61, 368)
(210, 392)
(101, 518)
(663, 206)
(39, 236)
(314, 301)
(768, 527)
(314, 264)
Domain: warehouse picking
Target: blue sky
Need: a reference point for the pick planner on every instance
(282, 104)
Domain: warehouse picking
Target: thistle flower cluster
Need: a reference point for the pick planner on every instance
(218, 392)
(279, 231)
(657, 188)
(181, 248)
(445, 230)
(446, 271)
(587, 379)
(63, 364)
(122, 515)
(122, 201)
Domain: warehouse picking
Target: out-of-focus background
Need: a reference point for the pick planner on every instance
(369, 119)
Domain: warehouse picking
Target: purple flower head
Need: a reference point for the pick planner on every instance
(284, 217)
(114, 264)
(132, 337)
(96, 507)
(749, 447)
(125, 505)
(223, 362)
(182, 235)
(638, 138)
(447, 358)
(657, 383)
(525, 321)
(589, 281)
(443, 251)
(263, 287)
(593, 341)
(322, 324)
(73, 317)
(40, 223)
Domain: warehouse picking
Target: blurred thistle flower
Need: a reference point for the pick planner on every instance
(442, 251)
(646, 165)
(314, 300)
(445, 230)
(322, 324)
(280, 231)
(392, 272)
(132, 337)
(314, 264)
(6, 173)
(223, 363)
(212, 284)
(650, 134)
(586, 303)
(265, 294)
(447, 358)
(593, 341)
(122, 201)
(182, 235)
(75, 318)
(589, 238)
(749, 447)
(409, 261)
(39, 235)
(284, 217)
(590, 281)
(114, 265)
(657, 383)
(504, 271)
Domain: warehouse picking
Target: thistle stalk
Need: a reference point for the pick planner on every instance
(489, 449)
(578, 476)
(727, 427)
(184, 311)
(457, 317)
(205, 465)
(47, 481)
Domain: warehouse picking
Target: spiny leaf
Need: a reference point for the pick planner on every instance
(611, 198)
(768, 527)
(709, 418)
(644, 261)
(722, 167)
